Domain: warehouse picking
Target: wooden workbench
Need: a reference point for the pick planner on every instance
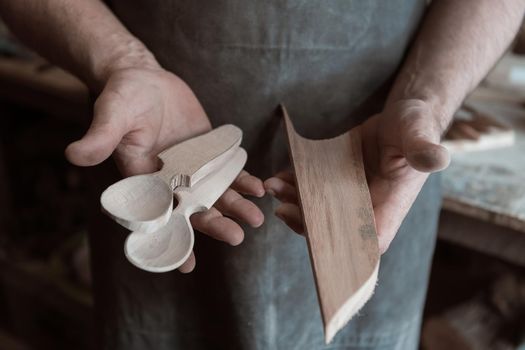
(484, 192)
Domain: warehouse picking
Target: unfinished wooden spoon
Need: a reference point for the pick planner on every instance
(170, 246)
(339, 222)
(144, 202)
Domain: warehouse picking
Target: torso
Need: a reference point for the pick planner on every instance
(329, 61)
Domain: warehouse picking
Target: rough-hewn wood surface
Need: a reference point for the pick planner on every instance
(339, 222)
(490, 185)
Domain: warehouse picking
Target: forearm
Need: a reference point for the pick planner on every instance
(458, 43)
(82, 36)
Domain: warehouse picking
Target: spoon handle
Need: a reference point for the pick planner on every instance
(207, 191)
(188, 162)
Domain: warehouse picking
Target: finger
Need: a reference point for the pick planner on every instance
(233, 204)
(102, 137)
(189, 264)
(281, 190)
(392, 200)
(387, 227)
(291, 215)
(420, 133)
(426, 156)
(212, 223)
(248, 185)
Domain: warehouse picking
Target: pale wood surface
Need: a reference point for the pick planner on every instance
(339, 222)
(189, 161)
(169, 247)
(484, 192)
(490, 185)
(144, 202)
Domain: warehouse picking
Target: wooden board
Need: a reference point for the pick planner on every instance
(490, 185)
(338, 220)
(472, 130)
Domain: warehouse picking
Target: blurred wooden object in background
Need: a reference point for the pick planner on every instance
(43, 87)
(472, 130)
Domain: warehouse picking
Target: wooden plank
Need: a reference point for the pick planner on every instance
(490, 185)
(339, 222)
(484, 237)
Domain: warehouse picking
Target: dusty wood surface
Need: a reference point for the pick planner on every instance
(490, 185)
(339, 222)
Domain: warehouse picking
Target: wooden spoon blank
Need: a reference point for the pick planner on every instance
(339, 222)
(170, 246)
(144, 202)
(188, 162)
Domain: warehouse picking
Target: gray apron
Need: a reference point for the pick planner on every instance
(331, 62)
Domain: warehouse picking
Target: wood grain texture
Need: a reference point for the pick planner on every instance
(170, 246)
(188, 162)
(144, 202)
(338, 220)
(490, 185)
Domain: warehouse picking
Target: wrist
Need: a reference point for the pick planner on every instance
(129, 53)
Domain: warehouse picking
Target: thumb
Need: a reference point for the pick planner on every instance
(421, 133)
(103, 136)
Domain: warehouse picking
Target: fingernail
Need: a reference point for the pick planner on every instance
(270, 192)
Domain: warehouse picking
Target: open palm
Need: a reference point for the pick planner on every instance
(141, 112)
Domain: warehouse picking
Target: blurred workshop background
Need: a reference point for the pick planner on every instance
(476, 298)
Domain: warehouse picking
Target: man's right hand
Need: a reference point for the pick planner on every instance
(142, 111)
